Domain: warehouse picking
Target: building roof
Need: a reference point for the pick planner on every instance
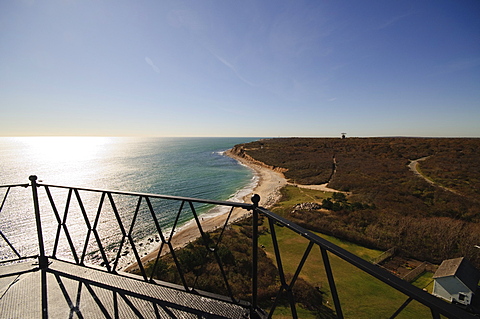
(460, 268)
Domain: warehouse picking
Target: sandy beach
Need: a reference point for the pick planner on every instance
(268, 187)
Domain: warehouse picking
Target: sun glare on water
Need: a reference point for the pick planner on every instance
(66, 149)
(64, 159)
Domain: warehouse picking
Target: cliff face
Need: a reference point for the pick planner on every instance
(239, 152)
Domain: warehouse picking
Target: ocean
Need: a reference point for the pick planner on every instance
(190, 167)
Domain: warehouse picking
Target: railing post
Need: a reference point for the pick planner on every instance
(42, 259)
(255, 201)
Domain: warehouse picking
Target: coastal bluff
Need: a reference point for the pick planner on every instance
(392, 206)
(240, 152)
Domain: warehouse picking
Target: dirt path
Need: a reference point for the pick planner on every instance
(311, 197)
(414, 168)
(321, 187)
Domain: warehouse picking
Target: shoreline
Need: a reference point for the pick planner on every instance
(268, 188)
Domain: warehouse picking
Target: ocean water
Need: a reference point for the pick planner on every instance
(190, 167)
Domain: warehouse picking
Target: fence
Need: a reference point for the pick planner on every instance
(414, 273)
(384, 256)
(79, 247)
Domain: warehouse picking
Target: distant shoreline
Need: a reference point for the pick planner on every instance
(268, 188)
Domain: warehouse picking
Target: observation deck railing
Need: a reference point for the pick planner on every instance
(63, 253)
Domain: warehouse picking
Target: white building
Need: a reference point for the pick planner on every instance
(456, 280)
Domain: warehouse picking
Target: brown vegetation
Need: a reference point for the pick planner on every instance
(398, 208)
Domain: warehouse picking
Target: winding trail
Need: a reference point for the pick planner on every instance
(414, 168)
(322, 187)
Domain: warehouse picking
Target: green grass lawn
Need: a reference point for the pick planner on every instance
(361, 295)
(425, 281)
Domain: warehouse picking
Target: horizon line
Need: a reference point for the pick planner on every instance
(234, 136)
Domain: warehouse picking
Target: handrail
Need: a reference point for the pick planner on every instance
(437, 306)
(167, 197)
(15, 185)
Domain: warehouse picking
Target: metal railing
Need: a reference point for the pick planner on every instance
(90, 244)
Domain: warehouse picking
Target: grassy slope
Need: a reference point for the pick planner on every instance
(362, 296)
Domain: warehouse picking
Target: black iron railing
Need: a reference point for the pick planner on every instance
(54, 206)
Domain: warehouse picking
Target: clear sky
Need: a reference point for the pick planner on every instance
(240, 68)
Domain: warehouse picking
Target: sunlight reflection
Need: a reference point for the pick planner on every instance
(65, 160)
(65, 149)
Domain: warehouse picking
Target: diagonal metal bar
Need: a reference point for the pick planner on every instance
(69, 301)
(57, 217)
(224, 228)
(276, 301)
(65, 229)
(214, 250)
(87, 223)
(160, 232)
(218, 259)
(122, 229)
(10, 245)
(291, 299)
(132, 243)
(131, 305)
(97, 301)
(288, 288)
(4, 198)
(97, 236)
(207, 241)
(172, 250)
(331, 282)
(168, 311)
(281, 273)
(302, 262)
(157, 259)
(79, 296)
(276, 249)
(177, 218)
(295, 277)
(1, 233)
(399, 310)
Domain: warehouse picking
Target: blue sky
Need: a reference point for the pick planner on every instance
(240, 68)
